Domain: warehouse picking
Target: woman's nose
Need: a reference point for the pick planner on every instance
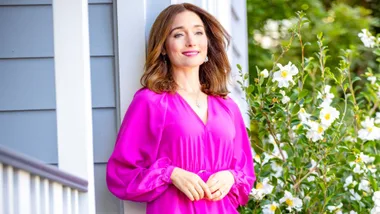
(190, 42)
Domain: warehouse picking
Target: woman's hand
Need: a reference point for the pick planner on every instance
(190, 184)
(220, 184)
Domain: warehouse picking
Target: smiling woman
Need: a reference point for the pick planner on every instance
(183, 146)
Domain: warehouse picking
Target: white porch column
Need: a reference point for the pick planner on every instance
(73, 93)
(131, 23)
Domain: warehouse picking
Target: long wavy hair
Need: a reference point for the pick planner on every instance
(213, 75)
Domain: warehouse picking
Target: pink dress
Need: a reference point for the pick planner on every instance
(162, 131)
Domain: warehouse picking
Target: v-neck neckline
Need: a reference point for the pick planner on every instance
(194, 112)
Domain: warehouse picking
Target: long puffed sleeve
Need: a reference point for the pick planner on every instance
(242, 166)
(133, 170)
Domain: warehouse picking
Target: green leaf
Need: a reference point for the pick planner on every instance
(377, 52)
(250, 89)
(296, 109)
(238, 66)
(303, 93)
(355, 79)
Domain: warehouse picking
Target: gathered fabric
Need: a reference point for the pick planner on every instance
(160, 132)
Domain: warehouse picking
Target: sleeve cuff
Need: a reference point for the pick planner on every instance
(166, 173)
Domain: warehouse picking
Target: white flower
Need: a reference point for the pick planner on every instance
(264, 73)
(328, 115)
(257, 158)
(315, 131)
(285, 98)
(369, 130)
(303, 116)
(277, 169)
(367, 39)
(358, 169)
(365, 186)
(372, 168)
(377, 119)
(261, 189)
(376, 198)
(350, 139)
(355, 196)
(327, 97)
(311, 178)
(285, 74)
(270, 208)
(365, 158)
(348, 182)
(375, 210)
(353, 212)
(372, 79)
(292, 202)
(335, 209)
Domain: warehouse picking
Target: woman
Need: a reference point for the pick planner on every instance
(183, 146)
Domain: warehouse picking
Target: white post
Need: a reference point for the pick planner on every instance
(57, 202)
(36, 195)
(2, 190)
(23, 195)
(130, 63)
(10, 194)
(73, 93)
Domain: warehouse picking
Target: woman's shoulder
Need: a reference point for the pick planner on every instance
(147, 96)
(228, 103)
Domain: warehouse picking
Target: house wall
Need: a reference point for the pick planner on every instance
(118, 31)
(28, 121)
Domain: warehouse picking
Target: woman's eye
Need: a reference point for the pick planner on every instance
(199, 33)
(177, 35)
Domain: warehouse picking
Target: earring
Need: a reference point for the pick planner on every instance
(206, 60)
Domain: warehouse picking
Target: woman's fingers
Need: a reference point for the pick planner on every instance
(205, 188)
(194, 193)
(216, 186)
(188, 194)
(199, 189)
(219, 194)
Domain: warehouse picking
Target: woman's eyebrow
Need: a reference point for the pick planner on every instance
(181, 27)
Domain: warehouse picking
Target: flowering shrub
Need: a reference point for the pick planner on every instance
(316, 149)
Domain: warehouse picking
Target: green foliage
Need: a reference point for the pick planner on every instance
(313, 144)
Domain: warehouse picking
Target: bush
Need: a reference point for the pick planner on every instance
(315, 151)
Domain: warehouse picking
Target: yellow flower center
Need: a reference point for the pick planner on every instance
(327, 116)
(359, 159)
(257, 156)
(302, 110)
(259, 186)
(320, 129)
(273, 207)
(284, 74)
(289, 202)
(370, 129)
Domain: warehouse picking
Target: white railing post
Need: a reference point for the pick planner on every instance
(10, 193)
(1, 189)
(36, 195)
(57, 202)
(45, 192)
(23, 194)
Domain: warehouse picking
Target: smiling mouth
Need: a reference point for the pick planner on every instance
(190, 53)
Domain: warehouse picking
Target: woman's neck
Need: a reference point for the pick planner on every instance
(187, 79)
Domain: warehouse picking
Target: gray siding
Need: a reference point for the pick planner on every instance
(27, 91)
(103, 99)
(27, 85)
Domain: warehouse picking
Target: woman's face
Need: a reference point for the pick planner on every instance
(186, 45)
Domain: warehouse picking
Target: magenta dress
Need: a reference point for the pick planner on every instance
(160, 132)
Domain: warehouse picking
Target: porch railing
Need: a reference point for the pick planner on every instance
(28, 186)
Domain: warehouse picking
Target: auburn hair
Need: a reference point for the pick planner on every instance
(213, 75)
